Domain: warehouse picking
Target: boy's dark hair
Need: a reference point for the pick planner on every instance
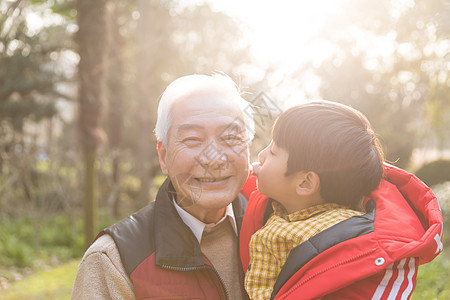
(335, 141)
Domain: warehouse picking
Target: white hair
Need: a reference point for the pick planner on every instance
(186, 85)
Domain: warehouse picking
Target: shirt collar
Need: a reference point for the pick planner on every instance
(305, 213)
(197, 227)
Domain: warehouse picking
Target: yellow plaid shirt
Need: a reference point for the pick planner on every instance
(270, 246)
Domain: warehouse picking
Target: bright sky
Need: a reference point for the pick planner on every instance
(279, 32)
(279, 29)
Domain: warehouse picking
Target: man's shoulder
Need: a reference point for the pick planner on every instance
(133, 224)
(104, 243)
(101, 273)
(103, 248)
(132, 236)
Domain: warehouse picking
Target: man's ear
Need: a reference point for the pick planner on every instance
(162, 152)
(308, 183)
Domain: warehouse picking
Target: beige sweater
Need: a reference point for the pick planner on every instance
(220, 246)
(101, 274)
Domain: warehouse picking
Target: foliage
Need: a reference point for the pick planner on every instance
(13, 251)
(434, 172)
(442, 192)
(38, 182)
(24, 240)
(28, 241)
(31, 75)
(432, 279)
(400, 86)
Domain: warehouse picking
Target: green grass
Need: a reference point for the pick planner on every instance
(55, 284)
(433, 280)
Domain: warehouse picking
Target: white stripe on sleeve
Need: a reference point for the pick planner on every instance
(412, 271)
(398, 281)
(384, 282)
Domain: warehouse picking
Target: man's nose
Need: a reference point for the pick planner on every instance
(212, 156)
(221, 160)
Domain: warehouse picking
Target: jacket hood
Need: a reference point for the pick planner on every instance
(418, 225)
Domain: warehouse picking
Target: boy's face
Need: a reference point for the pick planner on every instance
(271, 171)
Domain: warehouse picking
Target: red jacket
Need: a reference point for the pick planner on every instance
(374, 256)
(162, 256)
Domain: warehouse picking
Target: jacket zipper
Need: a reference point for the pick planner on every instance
(184, 269)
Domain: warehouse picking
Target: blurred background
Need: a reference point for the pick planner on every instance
(80, 82)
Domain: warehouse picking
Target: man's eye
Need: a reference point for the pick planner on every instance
(191, 140)
(233, 139)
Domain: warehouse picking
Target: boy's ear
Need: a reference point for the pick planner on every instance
(162, 157)
(308, 183)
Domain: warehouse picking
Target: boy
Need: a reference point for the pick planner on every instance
(324, 159)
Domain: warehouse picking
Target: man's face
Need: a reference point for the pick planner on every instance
(206, 156)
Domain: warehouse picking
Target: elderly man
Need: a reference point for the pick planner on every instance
(183, 245)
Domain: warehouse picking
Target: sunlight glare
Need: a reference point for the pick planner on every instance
(284, 36)
(279, 30)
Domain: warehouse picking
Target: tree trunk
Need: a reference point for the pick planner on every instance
(144, 162)
(90, 200)
(116, 108)
(91, 38)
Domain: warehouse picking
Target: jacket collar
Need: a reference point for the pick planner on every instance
(176, 245)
